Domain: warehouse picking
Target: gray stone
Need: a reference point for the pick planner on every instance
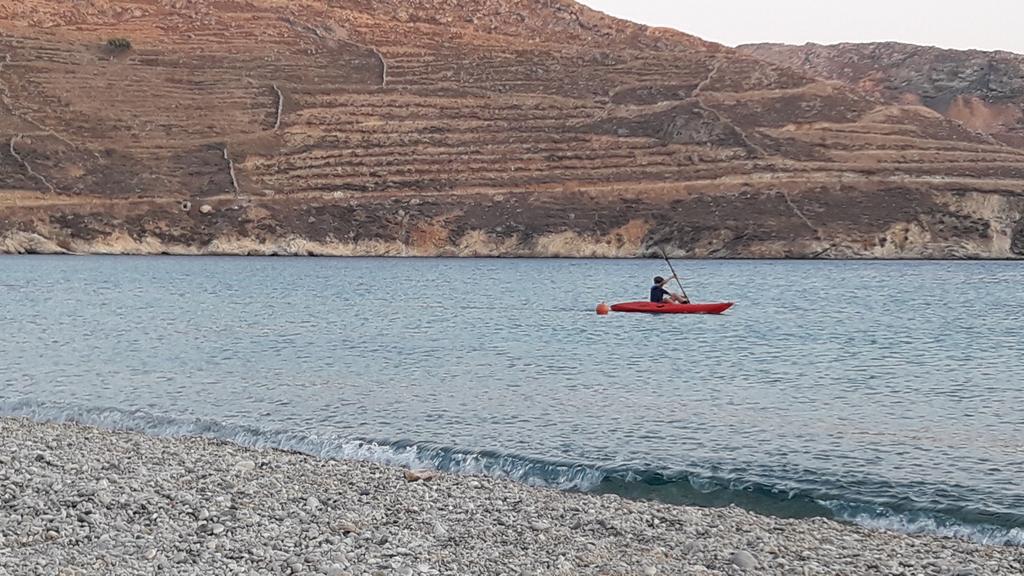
(245, 466)
(346, 528)
(743, 559)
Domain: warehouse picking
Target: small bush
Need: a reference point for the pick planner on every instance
(119, 44)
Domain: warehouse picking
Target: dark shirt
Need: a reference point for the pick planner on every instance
(658, 294)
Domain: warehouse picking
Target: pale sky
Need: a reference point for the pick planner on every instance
(982, 24)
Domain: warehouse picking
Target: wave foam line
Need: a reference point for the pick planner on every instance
(920, 522)
(678, 487)
(401, 454)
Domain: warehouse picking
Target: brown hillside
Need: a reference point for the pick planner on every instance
(982, 90)
(513, 127)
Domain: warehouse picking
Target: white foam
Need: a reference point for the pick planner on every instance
(563, 476)
(923, 522)
(559, 475)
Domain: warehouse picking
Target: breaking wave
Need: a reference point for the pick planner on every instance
(699, 486)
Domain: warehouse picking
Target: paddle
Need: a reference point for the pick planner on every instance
(676, 276)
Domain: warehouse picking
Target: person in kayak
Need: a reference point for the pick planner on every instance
(660, 295)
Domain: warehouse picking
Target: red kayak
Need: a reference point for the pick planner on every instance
(656, 308)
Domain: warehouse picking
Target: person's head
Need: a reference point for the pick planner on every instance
(658, 280)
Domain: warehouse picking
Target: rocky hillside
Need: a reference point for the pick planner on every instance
(983, 90)
(469, 127)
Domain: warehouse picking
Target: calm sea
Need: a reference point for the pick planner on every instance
(888, 394)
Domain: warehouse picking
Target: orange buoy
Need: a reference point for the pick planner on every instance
(603, 309)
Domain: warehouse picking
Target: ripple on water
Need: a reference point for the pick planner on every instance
(871, 384)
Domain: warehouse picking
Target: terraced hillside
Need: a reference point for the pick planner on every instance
(473, 127)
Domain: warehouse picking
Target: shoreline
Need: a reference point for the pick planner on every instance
(568, 245)
(640, 257)
(81, 500)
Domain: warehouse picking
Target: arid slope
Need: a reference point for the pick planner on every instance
(477, 127)
(983, 90)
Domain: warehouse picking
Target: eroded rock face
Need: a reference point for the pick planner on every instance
(982, 90)
(1017, 240)
(514, 127)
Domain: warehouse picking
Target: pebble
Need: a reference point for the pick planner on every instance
(245, 466)
(177, 506)
(347, 528)
(743, 559)
(420, 475)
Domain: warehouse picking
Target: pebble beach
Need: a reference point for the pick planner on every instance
(80, 500)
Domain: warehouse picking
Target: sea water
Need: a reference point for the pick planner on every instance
(890, 394)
